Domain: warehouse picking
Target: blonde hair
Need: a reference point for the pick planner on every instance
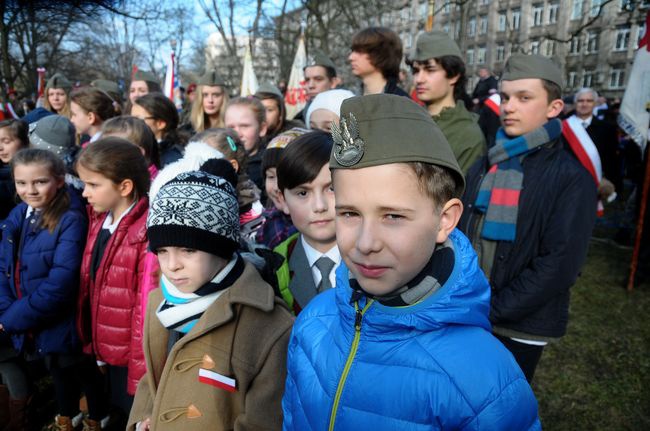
(66, 108)
(198, 117)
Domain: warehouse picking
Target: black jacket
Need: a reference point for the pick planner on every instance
(531, 276)
(605, 138)
(483, 88)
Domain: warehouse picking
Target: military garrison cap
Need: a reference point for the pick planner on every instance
(59, 81)
(318, 58)
(211, 78)
(380, 129)
(143, 75)
(434, 44)
(522, 66)
(106, 85)
(268, 88)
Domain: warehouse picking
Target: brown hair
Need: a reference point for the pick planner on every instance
(161, 108)
(137, 132)
(18, 129)
(281, 107)
(218, 139)
(254, 104)
(437, 182)
(117, 159)
(96, 101)
(553, 91)
(383, 46)
(46, 102)
(302, 161)
(198, 117)
(55, 167)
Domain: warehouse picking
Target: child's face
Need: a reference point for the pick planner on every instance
(360, 64)
(57, 98)
(81, 119)
(242, 119)
(9, 145)
(311, 207)
(137, 89)
(525, 106)
(386, 227)
(212, 98)
(322, 119)
(272, 113)
(431, 82)
(102, 193)
(35, 185)
(156, 126)
(188, 269)
(271, 186)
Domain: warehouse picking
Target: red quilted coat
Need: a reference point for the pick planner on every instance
(109, 318)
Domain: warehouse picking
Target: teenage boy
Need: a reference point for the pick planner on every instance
(403, 341)
(531, 211)
(320, 76)
(311, 255)
(375, 58)
(440, 81)
(215, 334)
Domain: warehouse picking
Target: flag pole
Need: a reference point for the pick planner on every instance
(429, 25)
(639, 226)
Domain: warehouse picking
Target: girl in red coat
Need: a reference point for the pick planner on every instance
(109, 318)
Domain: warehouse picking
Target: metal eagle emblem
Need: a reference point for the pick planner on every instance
(348, 145)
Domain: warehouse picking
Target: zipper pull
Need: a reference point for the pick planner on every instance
(357, 319)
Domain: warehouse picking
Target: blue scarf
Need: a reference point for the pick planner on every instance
(498, 196)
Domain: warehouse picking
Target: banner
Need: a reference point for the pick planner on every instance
(296, 97)
(172, 85)
(634, 118)
(248, 78)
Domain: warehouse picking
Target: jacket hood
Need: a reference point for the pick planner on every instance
(463, 300)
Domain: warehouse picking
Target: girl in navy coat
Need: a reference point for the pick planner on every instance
(40, 255)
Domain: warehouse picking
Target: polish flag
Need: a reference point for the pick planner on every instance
(217, 380)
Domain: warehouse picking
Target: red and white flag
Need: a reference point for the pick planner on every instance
(296, 97)
(633, 118)
(172, 85)
(494, 103)
(217, 380)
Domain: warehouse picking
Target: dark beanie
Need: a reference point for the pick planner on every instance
(195, 210)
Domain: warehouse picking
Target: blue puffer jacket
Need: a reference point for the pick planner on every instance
(49, 280)
(433, 365)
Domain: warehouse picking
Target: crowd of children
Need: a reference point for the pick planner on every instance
(244, 271)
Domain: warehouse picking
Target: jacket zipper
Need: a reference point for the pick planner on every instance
(348, 363)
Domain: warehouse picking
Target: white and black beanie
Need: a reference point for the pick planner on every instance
(196, 210)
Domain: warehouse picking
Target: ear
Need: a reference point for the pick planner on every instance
(554, 108)
(125, 188)
(283, 203)
(454, 80)
(235, 164)
(263, 128)
(92, 118)
(160, 124)
(335, 82)
(449, 217)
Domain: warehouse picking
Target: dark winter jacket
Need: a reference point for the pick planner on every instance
(531, 276)
(49, 280)
(7, 191)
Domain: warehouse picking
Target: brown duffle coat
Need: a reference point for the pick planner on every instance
(242, 336)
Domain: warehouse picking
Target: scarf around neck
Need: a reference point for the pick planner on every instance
(498, 195)
(179, 311)
(428, 281)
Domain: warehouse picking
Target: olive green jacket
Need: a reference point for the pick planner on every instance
(463, 133)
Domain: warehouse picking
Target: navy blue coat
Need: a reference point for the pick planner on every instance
(49, 280)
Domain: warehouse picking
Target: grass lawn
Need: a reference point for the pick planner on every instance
(598, 376)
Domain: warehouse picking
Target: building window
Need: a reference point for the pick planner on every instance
(617, 78)
(622, 38)
(594, 10)
(573, 78)
(592, 42)
(626, 5)
(574, 45)
(640, 31)
(480, 58)
(483, 24)
(552, 13)
(447, 7)
(424, 10)
(485, 2)
(538, 14)
(576, 10)
(470, 56)
(501, 52)
(502, 21)
(516, 19)
(445, 28)
(471, 27)
(550, 48)
(534, 46)
(588, 78)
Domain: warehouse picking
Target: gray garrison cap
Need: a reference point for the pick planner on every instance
(319, 58)
(55, 133)
(59, 81)
(380, 129)
(434, 44)
(522, 66)
(143, 75)
(212, 79)
(268, 88)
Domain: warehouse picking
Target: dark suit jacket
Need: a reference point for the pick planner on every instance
(605, 138)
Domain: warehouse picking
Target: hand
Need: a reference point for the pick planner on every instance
(144, 425)
(1, 328)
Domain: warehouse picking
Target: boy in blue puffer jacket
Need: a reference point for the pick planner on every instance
(403, 341)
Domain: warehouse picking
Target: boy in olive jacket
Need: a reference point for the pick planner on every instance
(215, 336)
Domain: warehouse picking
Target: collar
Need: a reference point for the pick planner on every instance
(586, 122)
(96, 137)
(313, 255)
(29, 211)
(108, 221)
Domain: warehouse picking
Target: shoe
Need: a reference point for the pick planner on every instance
(91, 425)
(61, 423)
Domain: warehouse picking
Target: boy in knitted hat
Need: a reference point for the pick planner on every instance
(531, 209)
(403, 341)
(215, 335)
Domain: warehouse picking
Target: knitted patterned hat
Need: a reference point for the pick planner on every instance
(196, 210)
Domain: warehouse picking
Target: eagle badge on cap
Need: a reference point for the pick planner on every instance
(349, 146)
